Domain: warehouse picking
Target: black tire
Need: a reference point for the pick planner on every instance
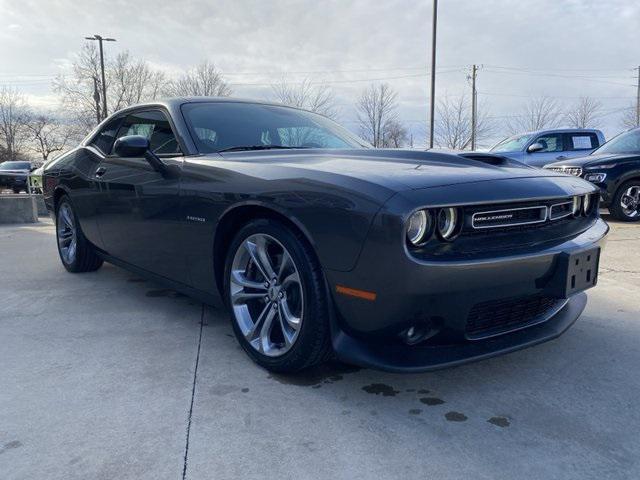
(312, 344)
(616, 208)
(16, 190)
(85, 258)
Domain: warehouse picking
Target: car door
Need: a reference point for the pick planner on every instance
(579, 144)
(139, 215)
(553, 144)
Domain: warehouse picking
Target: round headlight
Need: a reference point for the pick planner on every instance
(575, 209)
(447, 223)
(418, 225)
(586, 204)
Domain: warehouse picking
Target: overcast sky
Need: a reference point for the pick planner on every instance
(558, 48)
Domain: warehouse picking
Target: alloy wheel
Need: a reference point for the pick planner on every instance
(630, 201)
(266, 295)
(67, 234)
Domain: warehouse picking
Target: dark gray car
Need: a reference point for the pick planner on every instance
(320, 245)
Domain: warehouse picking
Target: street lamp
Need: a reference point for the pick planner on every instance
(104, 86)
(433, 72)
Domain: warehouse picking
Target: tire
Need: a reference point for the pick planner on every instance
(81, 257)
(626, 214)
(16, 190)
(287, 346)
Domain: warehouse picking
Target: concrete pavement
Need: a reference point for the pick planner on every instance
(105, 376)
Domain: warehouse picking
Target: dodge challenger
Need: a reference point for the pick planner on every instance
(320, 245)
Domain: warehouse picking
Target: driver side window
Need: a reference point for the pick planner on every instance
(551, 143)
(154, 125)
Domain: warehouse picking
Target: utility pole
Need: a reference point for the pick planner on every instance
(638, 101)
(433, 72)
(96, 98)
(474, 106)
(104, 84)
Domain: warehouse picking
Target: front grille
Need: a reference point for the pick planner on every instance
(509, 217)
(500, 316)
(560, 210)
(575, 171)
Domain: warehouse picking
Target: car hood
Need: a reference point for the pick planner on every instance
(397, 169)
(598, 159)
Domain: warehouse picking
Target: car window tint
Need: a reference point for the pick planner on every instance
(581, 141)
(217, 126)
(103, 141)
(153, 125)
(550, 143)
(307, 137)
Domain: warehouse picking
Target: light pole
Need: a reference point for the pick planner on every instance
(433, 71)
(104, 86)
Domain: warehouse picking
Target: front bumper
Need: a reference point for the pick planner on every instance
(395, 357)
(409, 291)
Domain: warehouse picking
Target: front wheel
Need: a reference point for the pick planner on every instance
(76, 253)
(277, 299)
(626, 202)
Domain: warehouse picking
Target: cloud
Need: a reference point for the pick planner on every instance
(586, 43)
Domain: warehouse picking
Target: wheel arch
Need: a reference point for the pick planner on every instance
(57, 195)
(237, 216)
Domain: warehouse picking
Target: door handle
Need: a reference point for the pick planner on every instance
(100, 172)
(561, 157)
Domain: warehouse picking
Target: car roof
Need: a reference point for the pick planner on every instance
(562, 130)
(174, 102)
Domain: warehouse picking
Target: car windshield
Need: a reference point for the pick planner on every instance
(15, 166)
(228, 126)
(512, 144)
(627, 142)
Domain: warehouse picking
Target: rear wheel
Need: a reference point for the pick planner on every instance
(626, 202)
(76, 253)
(278, 303)
(16, 190)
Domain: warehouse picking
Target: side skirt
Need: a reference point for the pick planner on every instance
(205, 297)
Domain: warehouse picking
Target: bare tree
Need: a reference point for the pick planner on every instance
(395, 135)
(629, 117)
(49, 135)
(584, 113)
(453, 126)
(131, 81)
(202, 81)
(128, 81)
(377, 107)
(316, 98)
(14, 116)
(537, 114)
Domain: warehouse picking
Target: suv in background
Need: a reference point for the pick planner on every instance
(14, 175)
(615, 168)
(546, 146)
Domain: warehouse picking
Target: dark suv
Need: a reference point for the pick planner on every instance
(14, 175)
(615, 168)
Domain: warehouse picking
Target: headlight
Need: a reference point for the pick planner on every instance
(595, 177)
(448, 223)
(418, 227)
(588, 203)
(575, 209)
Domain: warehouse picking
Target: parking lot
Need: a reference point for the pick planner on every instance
(106, 376)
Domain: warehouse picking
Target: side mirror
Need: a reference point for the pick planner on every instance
(139, 146)
(131, 146)
(535, 147)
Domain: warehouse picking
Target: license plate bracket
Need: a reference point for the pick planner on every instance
(576, 272)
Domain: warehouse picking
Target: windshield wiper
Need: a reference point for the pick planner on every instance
(256, 147)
